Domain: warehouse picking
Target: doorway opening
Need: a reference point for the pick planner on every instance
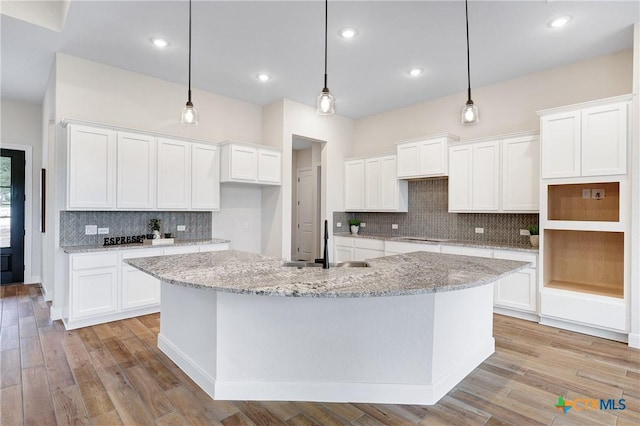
(12, 216)
(306, 198)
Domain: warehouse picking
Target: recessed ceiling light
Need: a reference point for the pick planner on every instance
(263, 76)
(348, 33)
(414, 72)
(560, 21)
(159, 42)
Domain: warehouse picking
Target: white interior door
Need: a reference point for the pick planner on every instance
(305, 226)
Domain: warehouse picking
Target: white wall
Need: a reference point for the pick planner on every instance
(240, 216)
(505, 107)
(634, 328)
(22, 125)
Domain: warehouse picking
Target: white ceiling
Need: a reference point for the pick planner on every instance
(235, 40)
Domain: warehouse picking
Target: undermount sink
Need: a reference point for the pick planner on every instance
(432, 240)
(303, 264)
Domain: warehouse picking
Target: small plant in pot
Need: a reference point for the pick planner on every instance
(354, 225)
(533, 235)
(154, 226)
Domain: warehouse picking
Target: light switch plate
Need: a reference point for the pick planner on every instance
(182, 228)
(524, 232)
(103, 231)
(479, 230)
(394, 226)
(363, 225)
(597, 194)
(90, 229)
(339, 225)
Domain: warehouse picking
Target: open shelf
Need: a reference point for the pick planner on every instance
(584, 261)
(566, 202)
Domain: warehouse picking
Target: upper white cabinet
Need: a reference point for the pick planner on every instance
(91, 168)
(371, 184)
(423, 158)
(499, 175)
(585, 140)
(521, 174)
(354, 185)
(205, 177)
(174, 174)
(245, 163)
(136, 171)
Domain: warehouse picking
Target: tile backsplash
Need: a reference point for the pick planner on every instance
(72, 223)
(428, 216)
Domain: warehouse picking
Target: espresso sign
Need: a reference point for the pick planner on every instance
(117, 241)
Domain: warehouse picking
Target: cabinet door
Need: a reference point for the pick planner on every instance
(205, 177)
(460, 163)
(269, 166)
(94, 292)
(517, 291)
(343, 254)
(174, 174)
(365, 253)
(354, 185)
(560, 136)
(485, 186)
(138, 288)
(372, 180)
(521, 174)
(136, 171)
(407, 159)
(388, 184)
(432, 157)
(91, 168)
(604, 140)
(244, 163)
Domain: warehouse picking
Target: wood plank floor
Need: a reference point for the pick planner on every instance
(113, 374)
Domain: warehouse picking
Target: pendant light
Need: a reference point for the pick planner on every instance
(325, 99)
(470, 110)
(189, 113)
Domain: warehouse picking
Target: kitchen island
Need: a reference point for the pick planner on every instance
(406, 329)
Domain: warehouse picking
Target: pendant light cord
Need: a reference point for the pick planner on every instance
(466, 10)
(326, 20)
(189, 51)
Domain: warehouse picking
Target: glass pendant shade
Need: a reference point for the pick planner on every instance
(189, 115)
(470, 113)
(325, 103)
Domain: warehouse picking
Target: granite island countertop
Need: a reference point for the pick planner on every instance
(437, 241)
(100, 247)
(249, 273)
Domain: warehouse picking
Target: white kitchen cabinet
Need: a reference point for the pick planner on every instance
(423, 158)
(474, 177)
(466, 251)
(246, 163)
(342, 249)
(174, 174)
(205, 177)
(138, 289)
(269, 165)
(371, 185)
(518, 291)
(136, 171)
(354, 185)
(521, 174)
(94, 285)
(365, 248)
(91, 168)
(588, 139)
(400, 247)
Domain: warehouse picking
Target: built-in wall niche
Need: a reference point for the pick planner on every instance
(585, 202)
(584, 261)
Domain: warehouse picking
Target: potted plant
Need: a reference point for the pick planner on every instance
(533, 235)
(354, 225)
(154, 226)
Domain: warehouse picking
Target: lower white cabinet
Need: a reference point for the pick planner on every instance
(102, 288)
(346, 248)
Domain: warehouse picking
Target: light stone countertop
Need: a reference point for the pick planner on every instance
(235, 271)
(478, 244)
(98, 247)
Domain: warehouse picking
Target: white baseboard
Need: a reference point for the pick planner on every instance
(383, 393)
(634, 340)
(584, 329)
(55, 314)
(31, 279)
(100, 319)
(516, 314)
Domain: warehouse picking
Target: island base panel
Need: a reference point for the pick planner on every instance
(400, 349)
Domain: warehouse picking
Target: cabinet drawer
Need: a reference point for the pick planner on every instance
(343, 241)
(141, 253)
(368, 244)
(514, 255)
(401, 247)
(181, 250)
(467, 251)
(604, 312)
(94, 261)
